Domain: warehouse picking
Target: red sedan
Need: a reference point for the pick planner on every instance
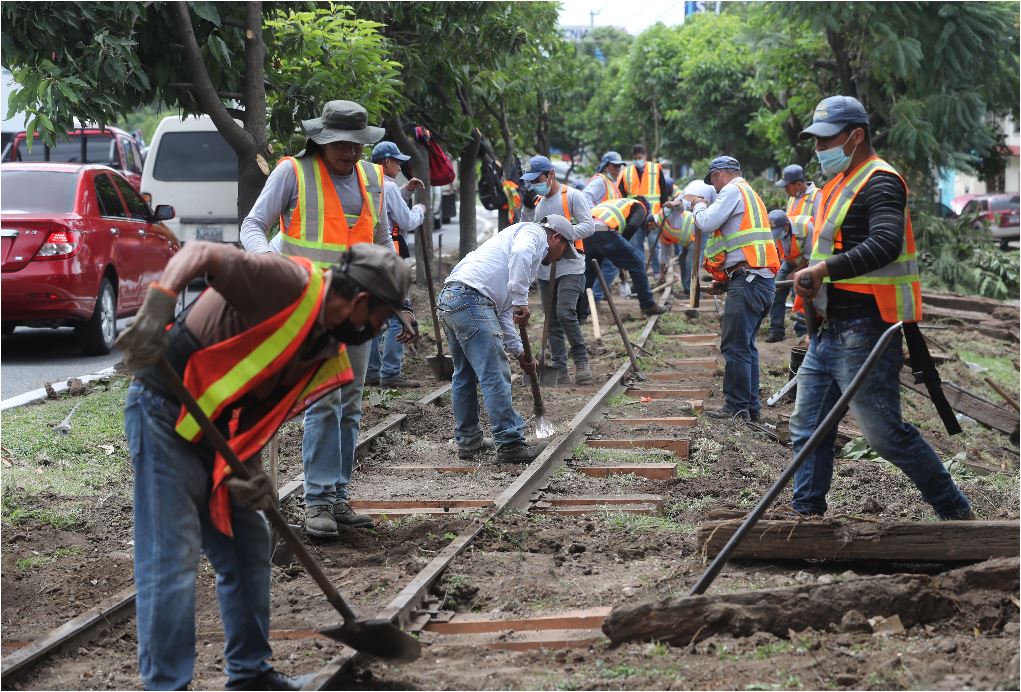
(80, 246)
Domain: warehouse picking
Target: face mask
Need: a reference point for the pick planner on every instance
(351, 335)
(541, 188)
(834, 160)
(640, 164)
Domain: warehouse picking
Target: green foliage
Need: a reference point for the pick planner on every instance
(857, 448)
(957, 256)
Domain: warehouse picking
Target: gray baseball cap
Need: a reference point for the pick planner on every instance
(558, 224)
(722, 163)
(610, 157)
(777, 218)
(791, 174)
(833, 114)
(381, 272)
(342, 121)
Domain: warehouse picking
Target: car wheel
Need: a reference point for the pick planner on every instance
(97, 334)
(7, 328)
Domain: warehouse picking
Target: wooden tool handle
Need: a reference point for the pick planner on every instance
(533, 378)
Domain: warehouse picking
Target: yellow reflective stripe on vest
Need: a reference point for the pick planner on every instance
(758, 235)
(613, 211)
(257, 360)
(328, 370)
(323, 255)
(370, 175)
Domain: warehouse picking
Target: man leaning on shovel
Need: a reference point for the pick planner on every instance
(252, 359)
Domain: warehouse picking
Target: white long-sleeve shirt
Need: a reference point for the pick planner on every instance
(580, 209)
(725, 213)
(394, 198)
(502, 269)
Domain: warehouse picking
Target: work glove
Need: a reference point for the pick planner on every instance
(527, 364)
(530, 198)
(255, 493)
(144, 342)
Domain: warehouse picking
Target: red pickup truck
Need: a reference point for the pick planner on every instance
(111, 147)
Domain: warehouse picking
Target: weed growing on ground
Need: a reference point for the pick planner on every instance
(1001, 368)
(705, 451)
(39, 560)
(641, 523)
(671, 323)
(766, 651)
(618, 400)
(636, 456)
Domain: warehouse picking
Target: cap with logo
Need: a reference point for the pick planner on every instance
(791, 174)
(722, 163)
(609, 158)
(387, 150)
(777, 219)
(558, 224)
(381, 273)
(536, 166)
(833, 114)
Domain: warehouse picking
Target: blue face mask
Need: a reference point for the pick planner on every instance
(541, 188)
(834, 160)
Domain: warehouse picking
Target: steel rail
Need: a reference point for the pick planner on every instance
(516, 496)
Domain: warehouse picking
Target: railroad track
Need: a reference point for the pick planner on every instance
(408, 608)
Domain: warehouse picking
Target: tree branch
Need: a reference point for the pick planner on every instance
(203, 89)
(237, 95)
(825, 65)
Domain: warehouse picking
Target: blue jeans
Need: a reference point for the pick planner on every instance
(778, 311)
(475, 340)
(746, 307)
(610, 246)
(387, 366)
(684, 266)
(564, 324)
(172, 530)
(833, 359)
(331, 436)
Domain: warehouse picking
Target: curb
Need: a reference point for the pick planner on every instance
(42, 393)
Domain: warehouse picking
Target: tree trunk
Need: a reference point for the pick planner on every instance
(468, 184)
(420, 167)
(542, 125)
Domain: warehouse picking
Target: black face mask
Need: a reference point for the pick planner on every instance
(351, 335)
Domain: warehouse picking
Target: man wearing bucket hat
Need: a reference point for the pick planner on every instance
(862, 276)
(327, 200)
(739, 252)
(385, 369)
(482, 302)
(251, 360)
(556, 199)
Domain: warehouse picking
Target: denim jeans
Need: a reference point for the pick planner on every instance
(564, 320)
(475, 340)
(746, 307)
(778, 311)
(386, 366)
(172, 530)
(610, 246)
(331, 436)
(833, 359)
(684, 266)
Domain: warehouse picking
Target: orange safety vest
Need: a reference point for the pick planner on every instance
(578, 244)
(754, 238)
(644, 184)
(320, 230)
(221, 374)
(612, 190)
(614, 212)
(896, 287)
(799, 213)
(677, 230)
(512, 193)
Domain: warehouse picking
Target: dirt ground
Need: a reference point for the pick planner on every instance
(529, 563)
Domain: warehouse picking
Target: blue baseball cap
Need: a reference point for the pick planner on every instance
(722, 163)
(536, 166)
(791, 174)
(833, 114)
(387, 150)
(609, 158)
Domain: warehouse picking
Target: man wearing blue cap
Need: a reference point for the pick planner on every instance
(739, 253)
(604, 186)
(385, 370)
(569, 285)
(862, 276)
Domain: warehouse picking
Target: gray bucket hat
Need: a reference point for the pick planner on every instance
(342, 121)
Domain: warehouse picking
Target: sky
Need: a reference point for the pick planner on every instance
(633, 16)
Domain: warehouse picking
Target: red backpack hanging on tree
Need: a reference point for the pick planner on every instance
(441, 168)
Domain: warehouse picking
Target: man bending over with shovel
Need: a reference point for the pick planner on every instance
(482, 300)
(263, 344)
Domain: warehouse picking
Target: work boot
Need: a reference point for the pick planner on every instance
(774, 337)
(319, 522)
(582, 373)
(487, 444)
(520, 453)
(345, 516)
(371, 380)
(270, 680)
(563, 378)
(724, 413)
(754, 417)
(399, 382)
(654, 309)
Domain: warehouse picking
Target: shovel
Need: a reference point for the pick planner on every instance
(441, 365)
(377, 637)
(543, 428)
(696, 288)
(547, 373)
(620, 325)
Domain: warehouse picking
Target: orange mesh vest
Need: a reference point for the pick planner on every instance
(753, 237)
(612, 191)
(678, 227)
(220, 375)
(645, 185)
(513, 195)
(578, 244)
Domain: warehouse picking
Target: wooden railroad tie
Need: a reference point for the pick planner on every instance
(708, 363)
(568, 630)
(681, 421)
(944, 541)
(700, 379)
(576, 506)
(654, 472)
(404, 507)
(680, 448)
(691, 394)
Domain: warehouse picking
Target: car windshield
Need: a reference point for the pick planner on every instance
(34, 192)
(98, 149)
(1003, 203)
(195, 157)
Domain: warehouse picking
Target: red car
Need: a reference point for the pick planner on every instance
(80, 246)
(1002, 211)
(112, 147)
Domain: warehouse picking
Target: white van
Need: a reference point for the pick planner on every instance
(192, 168)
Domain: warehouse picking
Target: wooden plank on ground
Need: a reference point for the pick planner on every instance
(524, 641)
(582, 510)
(438, 468)
(418, 504)
(695, 394)
(639, 498)
(682, 421)
(680, 448)
(971, 303)
(709, 363)
(476, 623)
(654, 472)
(944, 541)
(685, 376)
(962, 316)
(961, 400)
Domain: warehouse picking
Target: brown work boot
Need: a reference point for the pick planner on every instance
(563, 378)
(345, 516)
(582, 373)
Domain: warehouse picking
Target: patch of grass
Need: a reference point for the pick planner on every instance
(449, 535)
(705, 451)
(64, 520)
(618, 400)
(33, 561)
(724, 653)
(659, 649)
(636, 456)
(767, 651)
(641, 523)
(677, 323)
(620, 671)
(1001, 369)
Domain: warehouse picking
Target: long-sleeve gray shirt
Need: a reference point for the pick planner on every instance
(580, 211)
(280, 196)
(725, 214)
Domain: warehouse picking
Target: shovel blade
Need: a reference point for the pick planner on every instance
(543, 428)
(547, 376)
(442, 367)
(379, 638)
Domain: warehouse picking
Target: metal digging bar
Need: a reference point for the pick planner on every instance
(380, 637)
(620, 325)
(831, 419)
